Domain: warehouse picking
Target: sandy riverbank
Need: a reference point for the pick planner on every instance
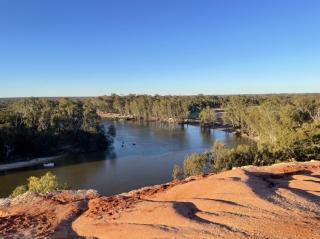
(29, 163)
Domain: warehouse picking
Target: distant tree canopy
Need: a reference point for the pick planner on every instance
(33, 127)
(157, 107)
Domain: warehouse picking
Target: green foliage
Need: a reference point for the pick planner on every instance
(19, 191)
(236, 110)
(44, 184)
(207, 116)
(220, 154)
(177, 172)
(242, 155)
(285, 127)
(36, 127)
(225, 158)
(195, 164)
(157, 107)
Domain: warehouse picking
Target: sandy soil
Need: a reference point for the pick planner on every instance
(280, 201)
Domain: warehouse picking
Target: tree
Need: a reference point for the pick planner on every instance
(207, 116)
(236, 110)
(90, 119)
(177, 173)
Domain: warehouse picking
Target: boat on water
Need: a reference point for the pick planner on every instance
(48, 165)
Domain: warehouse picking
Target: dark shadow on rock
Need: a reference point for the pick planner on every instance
(223, 201)
(313, 181)
(189, 210)
(265, 185)
(235, 178)
(64, 229)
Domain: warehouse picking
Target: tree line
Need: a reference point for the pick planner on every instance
(157, 107)
(36, 127)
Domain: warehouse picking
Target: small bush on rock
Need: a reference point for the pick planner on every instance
(177, 173)
(19, 191)
(195, 164)
(44, 184)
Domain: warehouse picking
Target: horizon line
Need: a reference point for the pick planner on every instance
(140, 94)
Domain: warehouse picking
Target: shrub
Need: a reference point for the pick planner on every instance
(45, 184)
(242, 155)
(19, 191)
(265, 156)
(220, 155)
(195, 164)
(225, 158)
(177, 172)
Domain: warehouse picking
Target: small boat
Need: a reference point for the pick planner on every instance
(48, 165)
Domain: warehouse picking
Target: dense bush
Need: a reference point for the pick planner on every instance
(194, 164)
(46, 183)
(225, 158)
(220, 155)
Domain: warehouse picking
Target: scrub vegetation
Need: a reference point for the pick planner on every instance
(285, 128)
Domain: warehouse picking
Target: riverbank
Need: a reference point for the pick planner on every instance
(219, 125)
(116, 117)
(279, 201)
(29, 163)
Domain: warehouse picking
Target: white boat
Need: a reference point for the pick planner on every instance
(48, 165)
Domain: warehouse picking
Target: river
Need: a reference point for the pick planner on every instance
(143, 154)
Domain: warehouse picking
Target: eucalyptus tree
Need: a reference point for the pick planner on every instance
(207, 116)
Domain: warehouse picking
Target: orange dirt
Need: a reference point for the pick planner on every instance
(280, 201)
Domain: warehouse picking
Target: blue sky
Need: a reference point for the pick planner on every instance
(91, 47)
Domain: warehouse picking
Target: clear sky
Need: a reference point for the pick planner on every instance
(91, 47)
